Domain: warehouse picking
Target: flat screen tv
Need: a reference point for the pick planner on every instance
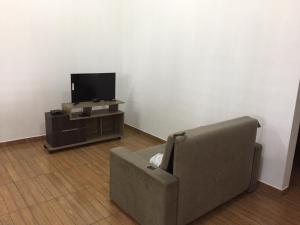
(93, 87)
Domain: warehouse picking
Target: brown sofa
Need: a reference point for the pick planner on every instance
(201, 169)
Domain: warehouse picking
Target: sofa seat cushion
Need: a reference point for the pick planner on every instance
(147, 153)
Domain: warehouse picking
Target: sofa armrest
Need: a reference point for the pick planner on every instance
(255, 167)
(146, 193)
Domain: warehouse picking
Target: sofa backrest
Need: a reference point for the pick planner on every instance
(213, 164)
(168, 156)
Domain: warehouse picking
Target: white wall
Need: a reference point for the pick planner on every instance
(41, 43)
(187, 63)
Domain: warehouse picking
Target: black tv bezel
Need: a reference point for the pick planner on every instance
(76, 101)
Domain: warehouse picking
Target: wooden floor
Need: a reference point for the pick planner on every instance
(71, 188)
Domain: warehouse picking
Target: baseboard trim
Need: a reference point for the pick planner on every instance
(42, 137)
(144, 133)
(273, 189)
(22, 141)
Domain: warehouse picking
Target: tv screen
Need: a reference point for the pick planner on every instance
(93, 87)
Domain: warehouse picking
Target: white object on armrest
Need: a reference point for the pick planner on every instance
(156, 159)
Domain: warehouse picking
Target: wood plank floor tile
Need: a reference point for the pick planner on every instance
(39, 215)
(47, 184)
(88, 206)
(17, 218)
(5, 178)
(8, 199)
(26, 192)
(103, 200)
(81, 210)
(28, 217)
(50, 213)
(6, 220)
(16, 196)
(42, 189)
(71, 212)
(12, 172)
(102, 222)
(60, 212)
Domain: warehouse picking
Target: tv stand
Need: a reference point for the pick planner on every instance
(84, 123)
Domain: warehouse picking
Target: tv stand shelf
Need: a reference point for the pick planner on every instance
(68, 106)
(94, 114)
(73, 129)
(87, 107)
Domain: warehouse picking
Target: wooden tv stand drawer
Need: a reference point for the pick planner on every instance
(66, 137)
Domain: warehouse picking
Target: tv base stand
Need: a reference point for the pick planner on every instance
(84, 123)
